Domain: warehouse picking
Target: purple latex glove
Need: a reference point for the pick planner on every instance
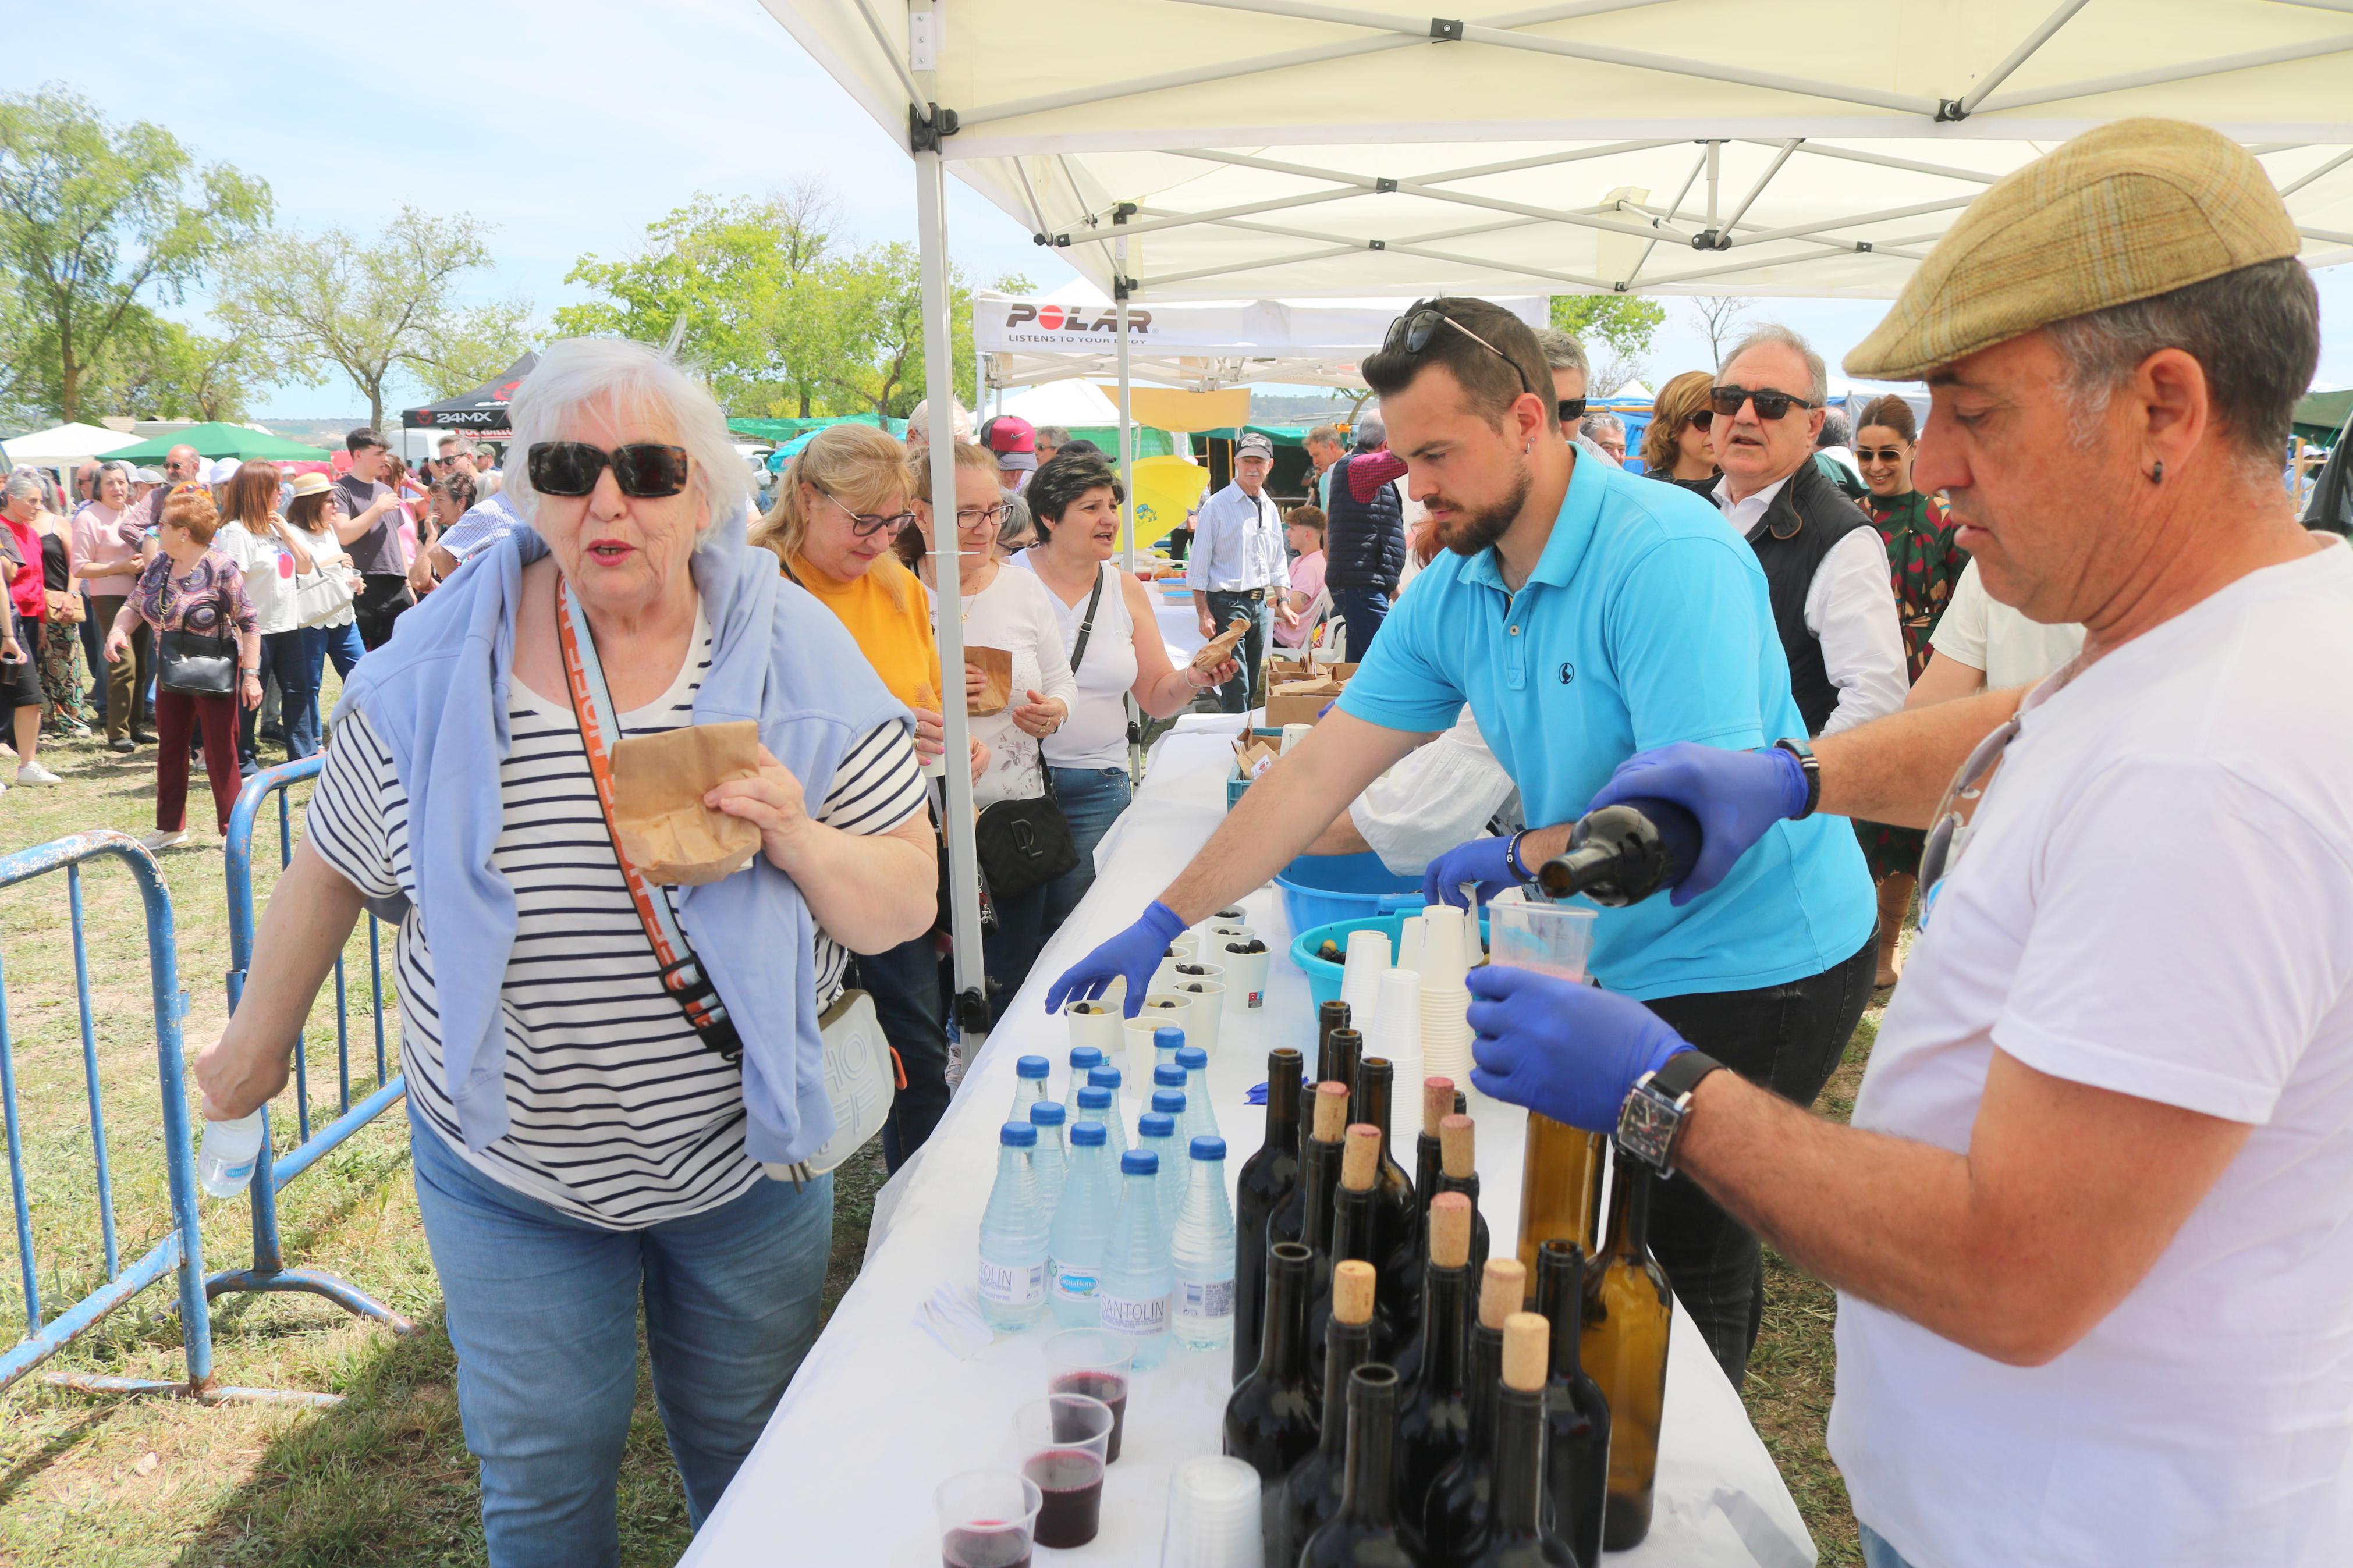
(1568, 1050)
(1737, 797)
(1134, 954)
(1484, 862)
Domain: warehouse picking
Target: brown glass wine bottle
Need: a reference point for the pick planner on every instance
(1460, 1507)
(1628, 1312)
(1312, 1492)
(1267, 1178)
(1560, 1189)
(1519, 1536)
(1270, 1418)
(1363, 1533)
(1331, 1016)
(1347, 1045)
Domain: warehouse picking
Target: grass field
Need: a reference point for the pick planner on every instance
(384, 1477)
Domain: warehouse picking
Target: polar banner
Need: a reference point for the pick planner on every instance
(1250, 329)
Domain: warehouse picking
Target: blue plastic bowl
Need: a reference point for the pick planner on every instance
(1320, 888)
(1323, 974)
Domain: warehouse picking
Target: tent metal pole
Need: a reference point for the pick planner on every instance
(1126, 468)
(2298, 184)
(1714, 178)
(1806, 231)
(970, 1009)
(2018, 56)
(1281, 204)
(1754, 191)
(1226, 271)
(2310, 49)
(1880, 160)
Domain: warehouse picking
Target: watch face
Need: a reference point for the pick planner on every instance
(1646, 1126)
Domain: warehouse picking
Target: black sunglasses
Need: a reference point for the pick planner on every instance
(1702, 418)
(1570, 410)
(1885, 455)
(866, 524)
(1770, 405)
(645, 469)
(1410, 333)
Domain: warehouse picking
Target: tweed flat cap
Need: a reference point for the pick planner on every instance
(2133, 209)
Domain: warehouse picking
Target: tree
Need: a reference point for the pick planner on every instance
(95, 220)
(1719, 316)
(156, 369)
(1623, 323)
(880, 292)
(314, 304)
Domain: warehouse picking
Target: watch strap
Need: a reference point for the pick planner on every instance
(1683, 1072)
(1809, 764)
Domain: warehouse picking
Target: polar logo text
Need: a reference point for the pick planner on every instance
(1074, 319)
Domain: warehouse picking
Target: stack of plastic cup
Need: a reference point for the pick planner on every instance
(1213, 1515)
(1396, 1031)
(1446, 1034)
(1360, 974)
(1408, 942)
(1444, 948)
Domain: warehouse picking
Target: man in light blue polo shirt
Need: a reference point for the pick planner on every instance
(1584, 615)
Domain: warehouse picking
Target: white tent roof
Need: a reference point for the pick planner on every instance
(1062, 403)
(68, 444)
(1286, 147)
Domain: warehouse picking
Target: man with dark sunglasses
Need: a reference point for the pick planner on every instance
(1827, 567)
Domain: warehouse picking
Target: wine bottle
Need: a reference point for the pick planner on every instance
(1395, 1215)
(1437, 1100)
(1560, 1189)
(1270, 1416)
(1311, 1494)
(1267, 1178)
(1331, 1016)
(1624, 853)
(1352, 1239)
(1363, 1533)
(1628, 1311)
(1434, 1420)
(1325, 1118)
(1519, 1536)
(1577, 1416)
(1458, 1172)
(1324, 1169)
(1347, 1052)
(1461, 1504)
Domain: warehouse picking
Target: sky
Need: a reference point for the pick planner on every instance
(572, 126)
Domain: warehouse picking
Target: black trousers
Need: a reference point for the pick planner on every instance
(904, 982)
(383, 597)
(1787, 1039)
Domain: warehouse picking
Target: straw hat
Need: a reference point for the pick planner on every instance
(2133, 209)
(312, 484)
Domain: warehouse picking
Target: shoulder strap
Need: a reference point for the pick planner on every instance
(592, 705)
(1087, 626)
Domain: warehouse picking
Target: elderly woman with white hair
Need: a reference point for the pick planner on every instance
(599, 1068)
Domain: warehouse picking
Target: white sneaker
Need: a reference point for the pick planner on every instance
(160, 841)
(34, 773)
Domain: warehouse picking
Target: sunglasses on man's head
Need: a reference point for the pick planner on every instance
(1410, 333)
(1770, 405)
(645, 469)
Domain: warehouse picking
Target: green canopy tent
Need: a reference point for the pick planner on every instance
(2320, 415)
(222, 441)
(782, 430)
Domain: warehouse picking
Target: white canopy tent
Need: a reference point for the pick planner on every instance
(1219, 149)
(63, 445)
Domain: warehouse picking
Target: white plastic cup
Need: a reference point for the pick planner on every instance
(1201, 1024)
(1245, 976)
(1396, 1022)
(1213, 1515)
(1408, 942)
(1552, 939)
(1099, 1028)
(1230, 931)
(1293, 734)
(1360, 974)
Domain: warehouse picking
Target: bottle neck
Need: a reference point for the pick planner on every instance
(1327, 1066)
(1560, 1297)
(1374, 1092)
(1486, 1377)
(1352, 1231)
(1284, 1337)
(1443, 1338)
(1519, 1461)
(1346, 1347)
(1629, 1211)
(1428, 1169)
(1320, 1176)
(1283, 1111)
(1372, 1454)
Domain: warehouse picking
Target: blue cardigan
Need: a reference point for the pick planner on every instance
(437, 696)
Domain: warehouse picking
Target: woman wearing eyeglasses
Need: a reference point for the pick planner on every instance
(1012, 611)
(1676, 445)
(603, 1073)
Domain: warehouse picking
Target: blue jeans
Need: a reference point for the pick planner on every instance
(1876, 1552)
(1364, 609)
(542, 1310)
(1235, 695)
(340, 643)
(904, 982)
(284, 659)
(1009, 950)
(1093, 799)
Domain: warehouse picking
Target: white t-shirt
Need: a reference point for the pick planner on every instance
(1096, 736)
(1434, 797)
(2155, 901)
(1015, 613)
(1987, 635)
(269, 567)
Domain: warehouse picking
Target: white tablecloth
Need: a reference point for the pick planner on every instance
(1180, 625)
(879, 1413)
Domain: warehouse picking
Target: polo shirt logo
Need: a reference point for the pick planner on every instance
(1567, 672)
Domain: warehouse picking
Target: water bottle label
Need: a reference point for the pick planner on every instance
(1012, 1285)
(1205, 1297)
(1069, 1285)
(1139, 1320)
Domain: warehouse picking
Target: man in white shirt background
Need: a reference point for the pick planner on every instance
(1824, 563)
(1239, 566)
(2096, 1302)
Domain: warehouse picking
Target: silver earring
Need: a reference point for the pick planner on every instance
(2157, 474)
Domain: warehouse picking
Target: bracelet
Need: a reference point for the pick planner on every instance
(1512, 861)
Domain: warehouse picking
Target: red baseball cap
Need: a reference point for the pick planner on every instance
(1013, 440)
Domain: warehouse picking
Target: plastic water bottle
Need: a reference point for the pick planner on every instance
(225, 1159)
(1136, 1282)
(1166, 1042)
(1157, 1131)
(1097, 1103)
(1013, 1237)
(1202, 1252)
(1082, 1223)
(1084, 1059)
(1030, 1075)
(1050, 1164)
(1170, 1103)
(1168, 1075)
(1200, 1116)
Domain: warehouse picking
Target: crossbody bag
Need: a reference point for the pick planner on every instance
(1023, 845)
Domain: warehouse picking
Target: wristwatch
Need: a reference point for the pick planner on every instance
(1653, 1115)
(1813, 771)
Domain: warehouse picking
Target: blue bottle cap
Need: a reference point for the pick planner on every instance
(1088, 1135)
(1084, 1057)
(1171, 1101)
(1192, 1057)
(1139, 1162)
(1167, 1037)
(1033, 1067)
(1017, 1135)
(1169, 1075)
(1048, 1113)
(1103, 1078)
(1206, 1147)
(1094, 1097)
(1155, 1124)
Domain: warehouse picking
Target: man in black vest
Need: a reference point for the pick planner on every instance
(1823, 560)
(1364, 536)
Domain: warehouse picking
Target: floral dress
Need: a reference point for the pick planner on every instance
(1924, 563)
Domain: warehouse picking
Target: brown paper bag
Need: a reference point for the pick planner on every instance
(658, 782)
(1219, 648)
(995, 665)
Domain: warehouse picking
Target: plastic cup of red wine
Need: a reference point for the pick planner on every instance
(1063, 1437)
(1093, 1361)
(988, 1519)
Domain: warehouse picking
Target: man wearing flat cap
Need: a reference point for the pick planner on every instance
(1239, 566)
(2089, 1226)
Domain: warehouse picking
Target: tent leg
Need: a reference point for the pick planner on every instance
(970, 1005)
(1126, 471)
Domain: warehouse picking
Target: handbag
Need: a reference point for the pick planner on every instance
(1025, 844)
(320, 595)
(862, 1073)
(196, 666)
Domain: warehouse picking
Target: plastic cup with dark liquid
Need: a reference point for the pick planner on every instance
(986, 1519)
(1063, 1436)
(1093, 1363)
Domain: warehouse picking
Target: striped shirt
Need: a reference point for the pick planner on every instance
(617, 1114)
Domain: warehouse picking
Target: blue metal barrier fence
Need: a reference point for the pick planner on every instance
(272, 1171)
